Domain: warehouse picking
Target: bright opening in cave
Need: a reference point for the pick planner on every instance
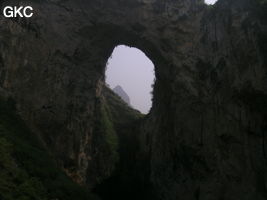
(210, 2)
(130, 72)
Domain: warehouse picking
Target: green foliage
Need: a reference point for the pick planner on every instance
(15, 183)
(116, 118)
(120, 112)
(262, 2)
(27, 171)
(111, 137)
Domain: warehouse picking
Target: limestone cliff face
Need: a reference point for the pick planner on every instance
(124, 96)
(212, 142)
(205, 135)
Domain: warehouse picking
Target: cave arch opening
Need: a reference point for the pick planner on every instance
(132, 70)
(131, 75)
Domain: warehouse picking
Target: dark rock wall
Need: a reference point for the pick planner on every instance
(204, 137)
(211, 143)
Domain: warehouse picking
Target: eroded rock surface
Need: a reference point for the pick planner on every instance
(205, 137)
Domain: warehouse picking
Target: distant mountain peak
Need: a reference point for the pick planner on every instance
(122, 94)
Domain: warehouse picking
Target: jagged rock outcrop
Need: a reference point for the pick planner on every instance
(124, 96)
(205, 137)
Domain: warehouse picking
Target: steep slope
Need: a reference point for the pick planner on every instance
(130, 177)
(120, 110)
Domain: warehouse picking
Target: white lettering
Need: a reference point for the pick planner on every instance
(15, 11)
(25, 10)
(8, 11)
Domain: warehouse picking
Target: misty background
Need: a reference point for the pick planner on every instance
(131, 69)
(134, 72)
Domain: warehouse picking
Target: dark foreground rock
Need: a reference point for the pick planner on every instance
(205, 137)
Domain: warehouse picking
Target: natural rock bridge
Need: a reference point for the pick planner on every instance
(205, 135)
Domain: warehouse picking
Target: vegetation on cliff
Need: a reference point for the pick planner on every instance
(126, 180)
(111, 137)
(26, 169)
(120, 111)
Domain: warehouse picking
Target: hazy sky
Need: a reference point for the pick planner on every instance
(134, 72)
(210, 1)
